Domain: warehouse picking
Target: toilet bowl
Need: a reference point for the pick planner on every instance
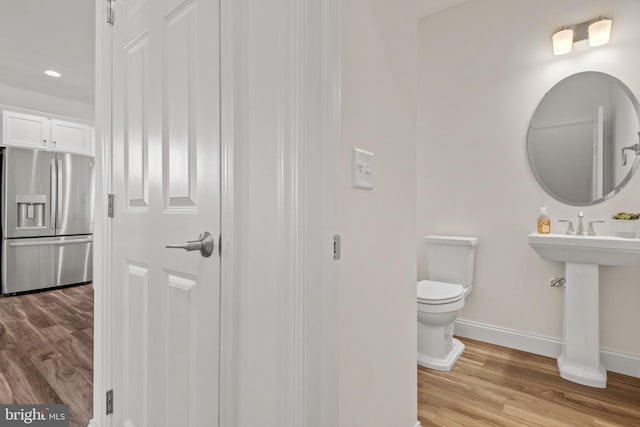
(438, 307)
(450, 262)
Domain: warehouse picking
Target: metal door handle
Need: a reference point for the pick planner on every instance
(17, 244)
(204, 244)
(59, 194)
(54, 197)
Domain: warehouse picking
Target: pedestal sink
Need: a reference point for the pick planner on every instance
(583, 255)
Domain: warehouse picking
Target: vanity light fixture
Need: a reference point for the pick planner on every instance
(598, 31)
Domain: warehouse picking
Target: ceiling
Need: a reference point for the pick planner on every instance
(39, 35)
(429, 7)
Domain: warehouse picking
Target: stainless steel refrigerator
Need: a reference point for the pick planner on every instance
(47, 219)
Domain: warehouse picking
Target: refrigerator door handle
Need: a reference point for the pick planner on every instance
(50, 242)
(59, 193)
(54, 189)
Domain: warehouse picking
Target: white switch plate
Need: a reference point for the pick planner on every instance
(362, 169)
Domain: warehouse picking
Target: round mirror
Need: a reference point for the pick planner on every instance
(584, 141)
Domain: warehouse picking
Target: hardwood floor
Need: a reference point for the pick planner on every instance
(46, 350)
(497, 386)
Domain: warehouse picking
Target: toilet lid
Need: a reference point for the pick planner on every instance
(438, 292)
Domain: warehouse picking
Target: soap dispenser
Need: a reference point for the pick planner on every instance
(544, 222)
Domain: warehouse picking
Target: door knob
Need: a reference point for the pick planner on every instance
(204, 244)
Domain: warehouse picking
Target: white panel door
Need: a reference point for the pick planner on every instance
(70, 137)
(166, 137)
(25, 130)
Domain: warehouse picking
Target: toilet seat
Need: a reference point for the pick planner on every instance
(436, 293)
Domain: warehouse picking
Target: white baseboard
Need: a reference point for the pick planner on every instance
(536, 344)
(621, 363)
(613, 361)
(93, 423)
(418, 424)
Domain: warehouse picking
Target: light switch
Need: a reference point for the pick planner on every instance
(362, 169)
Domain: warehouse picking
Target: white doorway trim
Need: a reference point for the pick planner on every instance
(102, 234)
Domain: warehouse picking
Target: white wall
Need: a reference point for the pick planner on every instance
(19, 98)
(376, 275)
(483, 67)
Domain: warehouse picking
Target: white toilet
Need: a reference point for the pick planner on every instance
(450, 279)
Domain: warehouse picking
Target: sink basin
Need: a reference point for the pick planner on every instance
(601, 250)
(583, 255)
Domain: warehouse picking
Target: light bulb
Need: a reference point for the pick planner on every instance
(600, 32)
(562, 42)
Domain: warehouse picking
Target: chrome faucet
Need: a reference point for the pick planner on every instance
(590, 230)
(580, 229)
(570, 229)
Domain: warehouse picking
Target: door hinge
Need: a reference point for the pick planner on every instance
(109, 402)
(110, 205)
(336, 247)
(110, 12)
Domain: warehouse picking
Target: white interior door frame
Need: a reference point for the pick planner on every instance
(309, 133)
(102, 229)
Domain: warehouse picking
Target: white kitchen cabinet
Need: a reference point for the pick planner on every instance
(70, 137)
(25, 130)
(41, 132)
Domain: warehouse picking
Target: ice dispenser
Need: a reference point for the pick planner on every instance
(31, 209)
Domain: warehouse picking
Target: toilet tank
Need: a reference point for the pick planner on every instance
(450, 259)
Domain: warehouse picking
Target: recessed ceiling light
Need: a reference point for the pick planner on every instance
(53, 73)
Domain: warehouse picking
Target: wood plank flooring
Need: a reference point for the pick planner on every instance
(46, 350)
(497, 386)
